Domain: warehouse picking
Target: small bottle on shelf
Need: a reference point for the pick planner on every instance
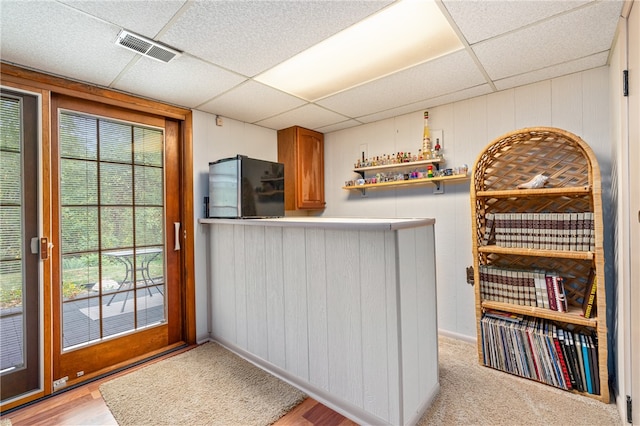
(426, 138)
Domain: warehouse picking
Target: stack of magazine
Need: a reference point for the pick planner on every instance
(538, 349)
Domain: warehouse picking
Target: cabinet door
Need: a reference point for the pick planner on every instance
(310, 164)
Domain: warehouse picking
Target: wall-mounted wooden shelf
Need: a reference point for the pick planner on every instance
(397, 183)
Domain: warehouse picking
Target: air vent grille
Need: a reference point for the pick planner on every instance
(146, 47)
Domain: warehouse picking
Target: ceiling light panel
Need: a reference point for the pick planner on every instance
(403, 35)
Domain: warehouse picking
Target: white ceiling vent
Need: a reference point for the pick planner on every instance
(146, 47)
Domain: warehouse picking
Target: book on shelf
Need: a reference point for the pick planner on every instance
(564, 347)
(587, 363)
(589, 296)
(575, 365)
(536, 288)
(579, 356)
(592, 342)
(544, 231)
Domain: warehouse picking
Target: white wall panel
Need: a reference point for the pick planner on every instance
(256, 295)
(533, 105)
(344, 315)
(566, 103)
(274, 281)
(223, 297)
(501, 114)
(240, 286)
(374, 319)
(316, 277)
(295, 302)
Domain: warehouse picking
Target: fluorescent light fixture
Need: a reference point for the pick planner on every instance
(405, 34)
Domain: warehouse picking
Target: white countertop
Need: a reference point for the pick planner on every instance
(354, 223)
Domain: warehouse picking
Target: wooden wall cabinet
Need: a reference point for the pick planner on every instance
(302, 152)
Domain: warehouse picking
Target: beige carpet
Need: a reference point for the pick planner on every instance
(474, 395)
(207, 385)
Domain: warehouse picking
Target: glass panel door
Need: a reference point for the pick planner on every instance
(116, 287)
(19, 261)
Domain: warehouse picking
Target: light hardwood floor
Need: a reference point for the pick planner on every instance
(84, 406)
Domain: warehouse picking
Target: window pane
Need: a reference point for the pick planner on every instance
(78, 137)
(148, 146)
(79, 275)
(116, 227)
(116, 272)
(10, 233)
(79, 229)
(10, 177)
(115, 142)
(149, 226)
(78, 182)
(10, 130)
(81, 321)
(149, 186)
(116, 184)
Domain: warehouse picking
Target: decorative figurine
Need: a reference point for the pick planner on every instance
(537, 181)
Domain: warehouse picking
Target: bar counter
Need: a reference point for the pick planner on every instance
(342, 308)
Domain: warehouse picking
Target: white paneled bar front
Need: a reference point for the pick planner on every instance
(342, 308)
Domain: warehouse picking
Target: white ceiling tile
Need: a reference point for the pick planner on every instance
(185, 81)
(54, 38)
(583, 32)
(251, 36)
(581, 64)
(144, 17)
(480, 19)
(449, 73)
(251, 102)
(309, 116)
(428, 103)
(339, 126)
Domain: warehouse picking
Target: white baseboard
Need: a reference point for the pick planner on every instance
(458, 336)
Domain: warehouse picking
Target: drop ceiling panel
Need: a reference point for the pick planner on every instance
(309, 116)
(583, 32)
(251, 102)
(450, 73)
(480, 19)
(251, 36)
(144, 17)
(52, 37)
(593, 61)
(428, 103)
(185, 81)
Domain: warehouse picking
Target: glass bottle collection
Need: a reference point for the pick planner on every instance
(426, 152)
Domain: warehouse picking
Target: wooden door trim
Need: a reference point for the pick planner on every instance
(186, 192)
(12, 73)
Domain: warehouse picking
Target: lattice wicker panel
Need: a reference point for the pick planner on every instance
(507, 163)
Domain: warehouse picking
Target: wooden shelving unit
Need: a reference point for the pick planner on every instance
(410, 182)
(573, 186)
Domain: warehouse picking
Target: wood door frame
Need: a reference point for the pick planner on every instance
(44, 85)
